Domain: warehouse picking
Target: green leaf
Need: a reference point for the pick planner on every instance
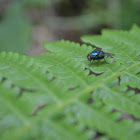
(59, 95)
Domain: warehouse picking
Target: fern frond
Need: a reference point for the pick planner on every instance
(112, 71)
(122, 43)
(24, 73)
(60, 96)
(126, 47)
(71, 49)
(65, 69)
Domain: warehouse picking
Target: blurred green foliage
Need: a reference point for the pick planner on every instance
(87, 16)
(120, 14)
(15, 30)
(130, 13)
(39, 3)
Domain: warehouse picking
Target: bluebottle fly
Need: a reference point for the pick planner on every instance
(98, 54)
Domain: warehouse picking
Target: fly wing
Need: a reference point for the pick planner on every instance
(109, 54)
